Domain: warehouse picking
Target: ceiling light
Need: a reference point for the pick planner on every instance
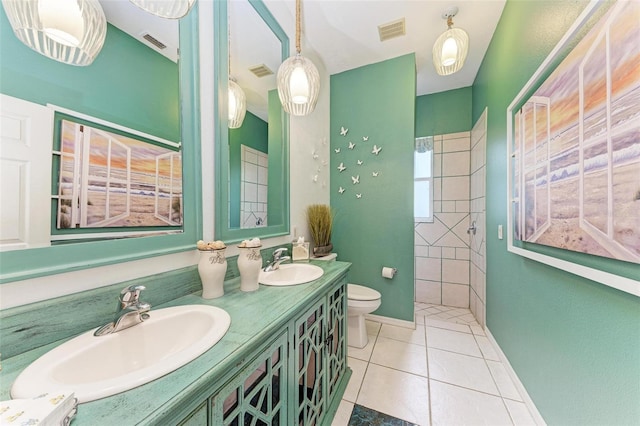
(450, 49)
(298, 80)
(170, 9)
(68, 31)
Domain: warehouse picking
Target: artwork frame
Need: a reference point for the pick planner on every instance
(528, 178)
(86, 192)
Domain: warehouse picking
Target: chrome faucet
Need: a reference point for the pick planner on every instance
(277, 259)
(130, 311)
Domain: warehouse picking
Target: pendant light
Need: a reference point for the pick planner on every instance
(298, 80)
(170, 9)
(68, 31)
(237, 106)
(451, 48)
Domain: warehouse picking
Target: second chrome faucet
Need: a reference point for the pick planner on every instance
(130, 311)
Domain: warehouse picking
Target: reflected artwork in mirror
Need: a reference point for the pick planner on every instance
(129, 85)
(252, 161)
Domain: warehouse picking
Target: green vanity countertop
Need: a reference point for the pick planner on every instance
(255, 317)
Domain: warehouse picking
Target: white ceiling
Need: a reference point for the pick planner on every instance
(343, 34)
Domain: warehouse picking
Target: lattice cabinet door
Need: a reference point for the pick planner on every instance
(309, 378)
(337, 338)
(257, 395)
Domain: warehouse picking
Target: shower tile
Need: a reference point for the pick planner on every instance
(448, 206)
(455, 271)
(463, 207)
(462, 254)
(448, 253)
(431, 322)
(455, 295)
(428, 291)
(455, 188)
(428, 269)
(455, 164)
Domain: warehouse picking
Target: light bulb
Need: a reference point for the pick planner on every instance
(62, 21)
(449, 52)
(299, 86)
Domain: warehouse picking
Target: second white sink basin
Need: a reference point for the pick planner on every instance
(291, 274)
(97, 367)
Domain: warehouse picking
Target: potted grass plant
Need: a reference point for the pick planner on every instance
(320, 222)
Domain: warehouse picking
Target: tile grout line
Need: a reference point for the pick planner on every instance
(426, 344)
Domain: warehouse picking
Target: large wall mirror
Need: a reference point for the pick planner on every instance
(134, 87)
(252, 161)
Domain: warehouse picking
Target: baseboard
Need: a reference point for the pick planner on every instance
(391, 321)
(533, 410)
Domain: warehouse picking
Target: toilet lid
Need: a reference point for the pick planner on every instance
(359, 292)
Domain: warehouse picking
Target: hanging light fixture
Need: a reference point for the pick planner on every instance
(68, 31)
(451, 48)
(170, 9)
(298, 80)
(237, 106)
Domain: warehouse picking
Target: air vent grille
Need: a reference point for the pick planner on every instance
(261, 70)
(391, 29)
(151, 39)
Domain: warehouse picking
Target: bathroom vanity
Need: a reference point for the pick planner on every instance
(282, 361)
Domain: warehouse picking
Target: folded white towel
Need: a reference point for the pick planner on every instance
(48, 409)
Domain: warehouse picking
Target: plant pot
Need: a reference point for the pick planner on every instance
(320, 251)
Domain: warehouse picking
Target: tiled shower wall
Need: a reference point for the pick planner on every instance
(477, 296)
(442, 249)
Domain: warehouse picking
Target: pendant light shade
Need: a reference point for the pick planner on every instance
(451, 48)
(170, 9)
(298, 80)
(68, 31)
(237, 105)
(298, 85)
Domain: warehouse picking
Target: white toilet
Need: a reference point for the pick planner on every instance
(360, 301)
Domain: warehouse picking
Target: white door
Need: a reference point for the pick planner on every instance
(26, 132)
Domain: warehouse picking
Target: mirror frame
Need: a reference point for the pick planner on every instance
(278, 177)
(32, 263)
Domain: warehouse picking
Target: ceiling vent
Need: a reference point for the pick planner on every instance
(151, 39)
(261, 70)
(391, 29)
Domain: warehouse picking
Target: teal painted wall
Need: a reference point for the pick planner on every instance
(574, 343)
(254, 134)
(277, 199)
(444, 112)
(138, 88)
(376, 230)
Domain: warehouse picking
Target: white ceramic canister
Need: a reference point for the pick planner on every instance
(249, 265)
(212, 268)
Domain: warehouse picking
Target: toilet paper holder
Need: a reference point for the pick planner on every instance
(388, 272)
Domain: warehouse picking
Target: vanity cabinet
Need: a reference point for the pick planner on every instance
(292, 379)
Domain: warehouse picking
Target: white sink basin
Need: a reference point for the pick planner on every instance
(291, 274)
(97, 367)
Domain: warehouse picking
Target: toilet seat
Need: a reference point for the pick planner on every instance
(362, 293)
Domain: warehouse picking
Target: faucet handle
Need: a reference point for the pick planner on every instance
(131, 294)
(279, 252)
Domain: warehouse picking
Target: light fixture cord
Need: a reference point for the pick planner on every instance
(298, 26)
(229, 44)
(450, 21)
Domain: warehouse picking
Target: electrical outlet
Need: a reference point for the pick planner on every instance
(499, 232)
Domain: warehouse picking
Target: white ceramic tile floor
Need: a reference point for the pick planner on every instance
(456, 378)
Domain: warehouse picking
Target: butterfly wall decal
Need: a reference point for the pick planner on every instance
(342, 167)
(374, 174)
(376, 150)
(358, 196)
(360, 162)
(343, 131)
(355, 179)
(365, 138)
(341, 190)
(352, 145)
(337, 150)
